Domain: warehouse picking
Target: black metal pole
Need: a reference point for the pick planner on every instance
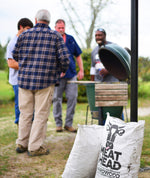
(134, 61)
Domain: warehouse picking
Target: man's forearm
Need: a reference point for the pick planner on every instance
(80, 63)
(81, 70)
(12, 64)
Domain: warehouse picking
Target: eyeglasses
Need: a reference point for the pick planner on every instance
(101, 30)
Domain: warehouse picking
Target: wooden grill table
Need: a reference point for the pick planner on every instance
(105, 97)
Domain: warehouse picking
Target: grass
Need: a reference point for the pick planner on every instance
(60, 144)
(6, 91)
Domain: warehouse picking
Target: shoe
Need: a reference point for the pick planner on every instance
(21, 149)
(39, 152)
(59, 129)
(70, 129)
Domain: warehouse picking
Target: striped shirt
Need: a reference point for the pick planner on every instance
(42, 56)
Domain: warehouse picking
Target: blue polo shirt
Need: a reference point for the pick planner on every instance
(74, 50)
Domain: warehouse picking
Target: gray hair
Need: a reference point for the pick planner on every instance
(43, 15)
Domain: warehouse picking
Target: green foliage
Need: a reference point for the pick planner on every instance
(86, 57)
(146, 77)
(144, 89)
(144, 68)
(3, 62)
(6, 91)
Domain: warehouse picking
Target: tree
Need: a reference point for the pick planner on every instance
(144, 68)
(84, 23)
(3, 62)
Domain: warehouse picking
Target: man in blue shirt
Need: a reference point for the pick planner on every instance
(23, 25)
(71, 90)
(42, 57)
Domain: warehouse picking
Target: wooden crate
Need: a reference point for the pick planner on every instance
(111, 94)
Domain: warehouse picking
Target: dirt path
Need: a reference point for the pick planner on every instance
(141, 111)
(144, 173)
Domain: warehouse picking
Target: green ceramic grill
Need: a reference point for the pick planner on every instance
(116, 60)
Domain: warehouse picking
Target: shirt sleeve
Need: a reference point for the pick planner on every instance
(16, 49)
(78, 50)
(92, 71)
(10, 48)
(73, 46)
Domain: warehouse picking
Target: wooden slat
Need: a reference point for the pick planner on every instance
(84, 82)
(110, 103)
(109, 92)
(111, 98)
(110, 86)
(115, 94)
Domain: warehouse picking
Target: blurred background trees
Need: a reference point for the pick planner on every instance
(84, 21)
(143, 73)
(144, 68)
(3, 63)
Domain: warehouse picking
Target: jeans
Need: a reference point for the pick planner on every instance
(17, 111)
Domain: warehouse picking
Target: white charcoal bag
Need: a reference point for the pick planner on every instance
(82, 161)
(121, 149)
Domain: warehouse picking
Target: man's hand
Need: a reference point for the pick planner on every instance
(103, 72)
(80, 75)
(62, 74)
(12, 64)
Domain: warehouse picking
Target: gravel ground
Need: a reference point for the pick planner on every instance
(141, 112)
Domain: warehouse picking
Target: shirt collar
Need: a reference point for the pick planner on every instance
(43, 25)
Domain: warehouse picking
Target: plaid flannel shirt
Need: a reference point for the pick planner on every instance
(42, 56)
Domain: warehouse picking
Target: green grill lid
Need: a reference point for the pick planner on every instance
(116, 60)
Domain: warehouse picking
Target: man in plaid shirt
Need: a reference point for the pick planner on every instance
(43, 58)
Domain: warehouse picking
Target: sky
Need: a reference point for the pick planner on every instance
(116, 19)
